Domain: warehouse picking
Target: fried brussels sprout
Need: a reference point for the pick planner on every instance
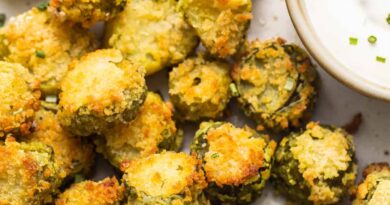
(275, 82)
(315, 166)
(152, 33)
(166, 178)
(152, 131)
(237, 162)
(199, 89)
(44, 46)
(19, 99)
(105, 192)
(100, 90)
(27, 173)
(72, 155)
(221, 25)
(375, 189)
(87, 12)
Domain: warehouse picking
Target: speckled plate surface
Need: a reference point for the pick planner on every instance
(336, 104)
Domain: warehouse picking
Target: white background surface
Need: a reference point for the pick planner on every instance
(336, 104)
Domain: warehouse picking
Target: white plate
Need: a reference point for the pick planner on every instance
(326, 27)
(336, 105)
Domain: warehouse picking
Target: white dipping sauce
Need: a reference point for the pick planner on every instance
(335, 21)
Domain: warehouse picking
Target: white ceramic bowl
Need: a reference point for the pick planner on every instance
(325, 27)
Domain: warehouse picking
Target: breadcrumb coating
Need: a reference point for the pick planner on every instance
(275, 82)
(375, 188)
(72, 154)
(152, 33)
(316, 166)
(87, 12)
(166, 178)
(105, 192)
(45, 46)
(237, 162)
(199, 88)
(19, 99)
(101, 89)
(152, 131)
(220, 24)
(27, 173)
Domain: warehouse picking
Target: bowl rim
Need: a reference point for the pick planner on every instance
(325, 59)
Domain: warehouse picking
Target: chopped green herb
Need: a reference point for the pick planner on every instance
(42, 6)
(234, 90)
(3, 17)
(78, 178)
(289, 84)
(51, 99)
(381, 59)
(40, 54)
(372, 39)
(215, 155)
(353, 41)
(388, 19)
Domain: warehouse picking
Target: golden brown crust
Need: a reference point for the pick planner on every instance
(164, 174)
(234, 156)
(71, 153)
(101, 89)
(153, 33)
(221, 24)
(375, 188)
(199, 88)
(105, 192)
(45, 46)
(26, 173)
(376, 167)
(165, 178)
(86, 12)
(19, 99)
(142, 136)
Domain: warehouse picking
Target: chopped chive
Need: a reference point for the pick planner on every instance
(215, 155)
(381, 59)
(51, 99)
(3, 17)
(42, 6)
(372, 39)
(40, 54)
(78, 178)
(234, 90)
(289, 84)
(388, 19)
(353, 41)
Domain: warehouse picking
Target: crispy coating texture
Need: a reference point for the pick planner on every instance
(72, 154)
(375, 188)
(19, 99)
(166, 178)
(237, 162)
(315, 166)
(199, 89)
(152, 131)
(100, 90)
(105, 192)
(276, 84)
(45, 46)
(27, 173)
(152, 33)
(87, 12)
(220, 24)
